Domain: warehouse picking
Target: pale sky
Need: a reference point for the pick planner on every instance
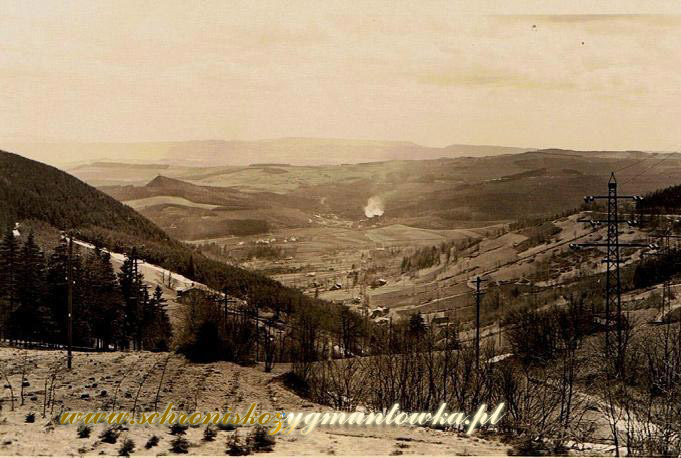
(434, 73)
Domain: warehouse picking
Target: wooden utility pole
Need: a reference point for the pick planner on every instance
(500, 314)
(69, 326)
(224, 312)
(138, 301)
(257, 333)
(446, 355)
(268, 347)
(478, 295)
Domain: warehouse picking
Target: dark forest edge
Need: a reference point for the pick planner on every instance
(111, 310)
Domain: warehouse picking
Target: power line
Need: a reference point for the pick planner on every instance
(666, 156)
(648, 156)
(671, 146)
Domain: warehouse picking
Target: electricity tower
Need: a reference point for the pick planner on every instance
(613, 286)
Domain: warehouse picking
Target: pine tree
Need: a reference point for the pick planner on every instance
(57, 291)
(31, 316)
(157, 329)
(126, 282)
(135, 294)
(83, 311)
(57, 296)
(8, 281)
(191, 269)
(104, 299)
(417, 326)
(146, 316)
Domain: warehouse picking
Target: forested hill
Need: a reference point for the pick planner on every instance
(665, 200)
(31, 190)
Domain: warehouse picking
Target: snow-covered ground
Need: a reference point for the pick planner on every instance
(92, 385)
(150, 270)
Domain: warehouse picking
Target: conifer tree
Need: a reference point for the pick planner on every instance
(30, 315)
(104, 299)
(135, 294)
(57, 292)
(8, 269)
(157, 329)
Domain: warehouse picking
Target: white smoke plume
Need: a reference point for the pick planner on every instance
(374, 207)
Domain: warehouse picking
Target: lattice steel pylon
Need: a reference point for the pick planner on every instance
(613, 285)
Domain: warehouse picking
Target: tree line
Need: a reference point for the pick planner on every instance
(111, 310)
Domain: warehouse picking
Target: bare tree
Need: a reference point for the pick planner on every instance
(140, 385)
(54, 370)
(160, 382)
(8, 385)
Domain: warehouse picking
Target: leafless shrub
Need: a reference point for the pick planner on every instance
(140, 385)
(160, 382)
(54, 370)
(24, 373)
(133, 366)
(8, 385)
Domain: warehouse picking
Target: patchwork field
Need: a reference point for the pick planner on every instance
(139, 204)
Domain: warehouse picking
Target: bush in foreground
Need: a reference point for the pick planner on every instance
(260, 441)
(152, 442)
(110, 435)
(84, 431)
(209, 433)
(179, 445)
(127, 447)
(235, 447)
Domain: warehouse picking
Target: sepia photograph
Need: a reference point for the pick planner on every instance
(351, 228)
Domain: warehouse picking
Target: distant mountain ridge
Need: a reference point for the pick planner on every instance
(290, 150)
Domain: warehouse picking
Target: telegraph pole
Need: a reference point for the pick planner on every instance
(269, 346)
(666, 294)
(478, 296)
(613, 286)
(224, 312)
(69, 326)
(446, 355)
(138, 312)
(257, 333)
